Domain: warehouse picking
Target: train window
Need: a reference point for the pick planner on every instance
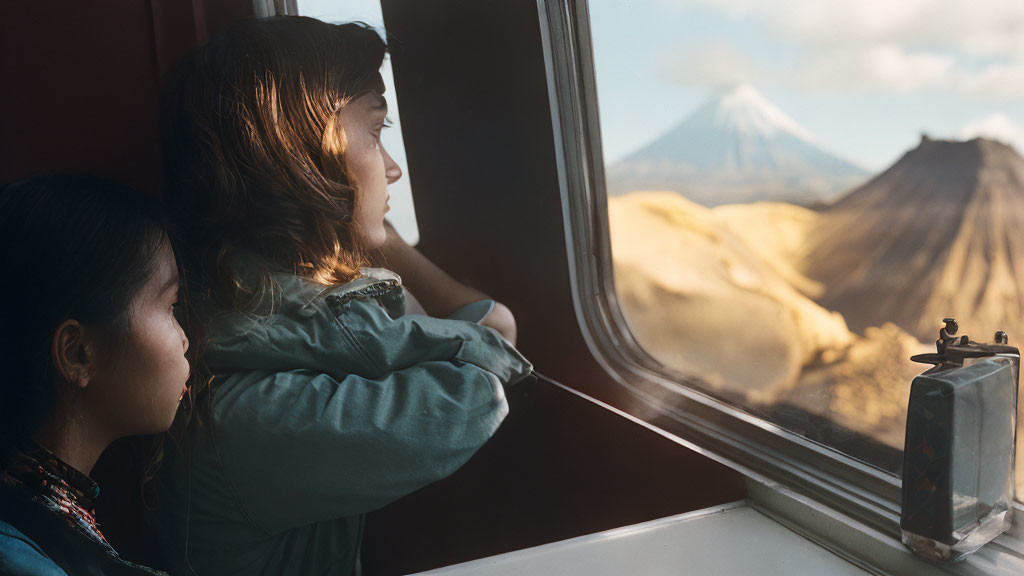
(797, 197)
(402, 215)
(775, 207)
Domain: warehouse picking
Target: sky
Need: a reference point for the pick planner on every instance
(866, 77)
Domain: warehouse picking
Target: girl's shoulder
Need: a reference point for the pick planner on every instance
(19, 554)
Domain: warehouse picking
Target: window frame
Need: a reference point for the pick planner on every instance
(268, 8)
(765, 452)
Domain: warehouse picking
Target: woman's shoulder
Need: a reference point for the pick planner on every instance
(302, 323)
(375, 286)
(285, 296)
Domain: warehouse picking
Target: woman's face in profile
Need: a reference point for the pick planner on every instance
(369, 165)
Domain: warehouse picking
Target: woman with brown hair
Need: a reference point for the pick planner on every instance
(326, 399)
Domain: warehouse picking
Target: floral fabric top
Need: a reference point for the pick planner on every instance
(59, 487)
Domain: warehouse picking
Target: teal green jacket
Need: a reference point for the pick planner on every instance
(324, 407)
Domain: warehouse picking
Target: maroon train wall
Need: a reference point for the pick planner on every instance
(79, 81)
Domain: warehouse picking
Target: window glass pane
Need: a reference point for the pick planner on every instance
(799, 192)
(402, 215)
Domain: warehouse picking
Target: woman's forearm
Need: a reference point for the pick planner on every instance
(437, 292)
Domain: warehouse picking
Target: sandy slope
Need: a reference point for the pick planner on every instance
(700, 297)
(740, 296)
(711, 294)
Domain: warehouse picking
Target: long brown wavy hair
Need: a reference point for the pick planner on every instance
(254, 155)
(254, 161)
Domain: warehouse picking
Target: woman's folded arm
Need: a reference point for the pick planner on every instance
(300, 447)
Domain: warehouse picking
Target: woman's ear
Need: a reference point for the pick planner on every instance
(72, 356)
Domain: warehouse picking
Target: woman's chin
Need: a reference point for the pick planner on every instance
(375, 239)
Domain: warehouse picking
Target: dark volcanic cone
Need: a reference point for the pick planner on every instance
(940, 233)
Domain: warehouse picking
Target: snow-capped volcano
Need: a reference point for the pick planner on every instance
(737, 147)
(744, 110)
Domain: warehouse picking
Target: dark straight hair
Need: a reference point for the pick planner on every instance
(73, 246)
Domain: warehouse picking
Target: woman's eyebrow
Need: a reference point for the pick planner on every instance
(379, 103)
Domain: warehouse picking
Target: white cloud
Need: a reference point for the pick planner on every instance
(996, 126)
(896, 45)
(882, 67)
(1000, 81)
(990, 27)
(715, 64)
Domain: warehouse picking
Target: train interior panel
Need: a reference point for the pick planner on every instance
(722, 375)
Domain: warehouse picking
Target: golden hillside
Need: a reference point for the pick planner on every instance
(713, 294)
(682, 268)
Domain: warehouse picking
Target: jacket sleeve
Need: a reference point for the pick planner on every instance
(302, 446)
(384, 344)
(358, 337)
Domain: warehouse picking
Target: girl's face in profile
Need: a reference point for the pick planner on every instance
(369, 164)
(142, 382)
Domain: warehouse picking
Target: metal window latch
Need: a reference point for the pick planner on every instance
(958, 485)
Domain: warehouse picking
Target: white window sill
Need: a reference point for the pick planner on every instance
(773, 532)
(724, 540)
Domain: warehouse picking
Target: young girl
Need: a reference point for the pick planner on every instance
(327, 400)
(91, 352)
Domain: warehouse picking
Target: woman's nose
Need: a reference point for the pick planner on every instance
(391, 168)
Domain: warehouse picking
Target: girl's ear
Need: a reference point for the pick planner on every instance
(72, 356)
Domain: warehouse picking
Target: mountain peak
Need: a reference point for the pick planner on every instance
(936, 234)
(745, 109)
(737, 147)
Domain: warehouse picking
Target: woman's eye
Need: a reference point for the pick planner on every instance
(380, 127)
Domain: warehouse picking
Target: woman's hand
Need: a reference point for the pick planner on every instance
(437, 293)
